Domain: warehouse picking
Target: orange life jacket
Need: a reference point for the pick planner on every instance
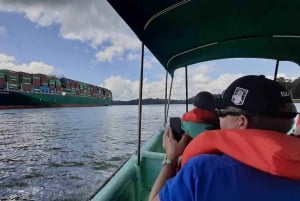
(200, 116)
(268, 151)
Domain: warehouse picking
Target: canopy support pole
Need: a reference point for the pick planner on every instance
(166, 98)
(186, 90)
(140, 107)
(276, 70)
(169, 99)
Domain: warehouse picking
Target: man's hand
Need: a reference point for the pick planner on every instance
(173, 148)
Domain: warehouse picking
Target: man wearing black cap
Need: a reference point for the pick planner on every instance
(262, 103)
(250, 158)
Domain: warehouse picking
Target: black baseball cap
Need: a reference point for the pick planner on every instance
(205, 100)
(258, 96)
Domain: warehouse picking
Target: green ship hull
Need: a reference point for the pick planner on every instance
(22, 99)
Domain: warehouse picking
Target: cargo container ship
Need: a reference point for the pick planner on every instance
(24, 90)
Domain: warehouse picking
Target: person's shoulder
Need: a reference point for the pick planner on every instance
(212, 162)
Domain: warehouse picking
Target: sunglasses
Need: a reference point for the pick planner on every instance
(224, 113)
(284, 115)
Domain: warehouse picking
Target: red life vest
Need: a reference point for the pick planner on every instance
(268, 151)
(200, 116)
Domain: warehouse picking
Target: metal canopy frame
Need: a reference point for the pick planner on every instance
(183, 32)
(180, 33)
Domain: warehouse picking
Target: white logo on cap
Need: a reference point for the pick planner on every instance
(284, 93)
(239, 96)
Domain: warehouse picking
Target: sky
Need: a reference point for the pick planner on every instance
(87, 41)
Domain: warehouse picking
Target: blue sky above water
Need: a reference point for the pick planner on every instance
(87, 41)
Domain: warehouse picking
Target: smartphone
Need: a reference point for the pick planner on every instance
(175, 124)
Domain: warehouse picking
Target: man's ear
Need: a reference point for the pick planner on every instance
(242, 122)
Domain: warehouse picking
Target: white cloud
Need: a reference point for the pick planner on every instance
(5, 58)
(149, 61)
(282, 75)
(122, 89)
(200, 79)
(9, 62)
(147, 64)
(91, 21)
(109, 53)
(125, 89)
(132, 56)
(94, 22)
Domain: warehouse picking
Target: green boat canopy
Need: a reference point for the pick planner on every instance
(180, 33)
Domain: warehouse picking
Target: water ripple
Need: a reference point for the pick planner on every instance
(67, 153)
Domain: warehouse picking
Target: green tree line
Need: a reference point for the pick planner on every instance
(293, 86)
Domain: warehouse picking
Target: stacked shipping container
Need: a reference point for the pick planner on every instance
(36, 83)
(13, 80)
(58, 86)
(40, 83)
(3, 79)
(51, 84)
(25, 81)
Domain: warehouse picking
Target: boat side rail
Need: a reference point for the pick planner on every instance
(154, 144)
(150, 166)
(153, 155)
(122, 185)
(132, 182)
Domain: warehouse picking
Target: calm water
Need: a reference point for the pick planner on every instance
(67, 153)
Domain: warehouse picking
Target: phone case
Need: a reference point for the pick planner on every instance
(175, 124)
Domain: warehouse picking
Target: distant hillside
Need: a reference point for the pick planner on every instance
(150, 101)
